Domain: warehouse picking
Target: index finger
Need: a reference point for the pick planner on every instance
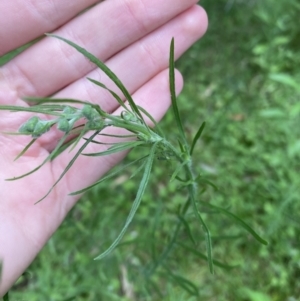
(22, 21)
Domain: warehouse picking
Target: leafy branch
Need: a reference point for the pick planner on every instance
(76, 122)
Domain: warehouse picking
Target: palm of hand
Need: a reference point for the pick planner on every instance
(135, 48)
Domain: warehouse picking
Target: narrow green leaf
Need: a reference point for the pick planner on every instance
(106, 70)
(182, 180)
(206, 231)
(187, 228)
(111, 143)
(170, 246)
(109, 176)
(69, 165)
(166, 252)
(208, 245)
(285, 79)
(70, 299)
(155, 225)
(226, 237)
(186, 284)
(237, 219)
(15, 133)
(74, 134)
(1, 267)
(156, 125)
(177, 170)
(173, 91)
(51, 107)
(181, 146)
(44, 100)
(118, 136)
(204, 257)
(6, 297)
(25, 149)
(29, 109)
(115, 95)
(4, 59)
(102, 143)
(136, 203)
(138, 170)
(122, 146)
(197, 136)
(63, 148)
(203, 180)
(76, 141)
(49, 158)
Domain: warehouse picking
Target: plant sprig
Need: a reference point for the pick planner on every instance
(92, 120)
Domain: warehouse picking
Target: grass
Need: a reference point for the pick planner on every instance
(249, 149)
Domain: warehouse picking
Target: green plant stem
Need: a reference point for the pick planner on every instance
(184, 157)
(132, 127)
(192, 188)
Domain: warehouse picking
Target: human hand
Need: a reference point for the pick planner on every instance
(132, 37)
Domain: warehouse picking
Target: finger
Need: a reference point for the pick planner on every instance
(136, 64)
(104, 30)
(142, 60)
(22, 21)
(154, 97)
(31, 228)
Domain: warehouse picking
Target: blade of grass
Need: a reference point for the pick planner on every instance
(197, 136)
(136, 203)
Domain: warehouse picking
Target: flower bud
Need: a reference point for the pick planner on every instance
(41, 127)
(64, 125)
(87, 112)
(29, 125)
(69, 110)
(128, 116)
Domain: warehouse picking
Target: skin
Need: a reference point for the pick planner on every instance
(132, 37)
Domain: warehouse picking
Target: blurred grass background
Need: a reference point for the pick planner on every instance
(242, 79)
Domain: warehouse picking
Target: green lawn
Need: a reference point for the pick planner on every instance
(242, 80)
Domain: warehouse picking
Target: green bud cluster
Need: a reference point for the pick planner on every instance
(69, 115)
(128, 116)
(64, 125)
(35, 126)
(94, 119)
